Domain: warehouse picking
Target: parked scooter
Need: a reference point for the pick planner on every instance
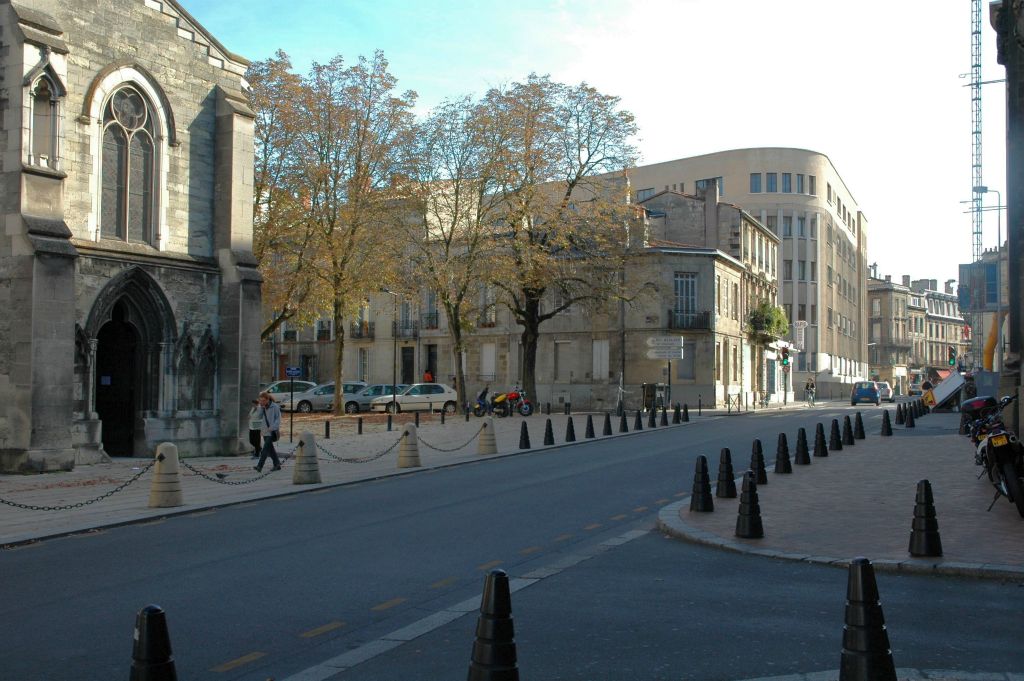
(997, 449)
(482, 406)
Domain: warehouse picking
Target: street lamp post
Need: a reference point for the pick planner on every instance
(394, 351)
(982, 189)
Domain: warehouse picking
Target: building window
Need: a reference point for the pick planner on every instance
(363, 366)
(772, 223)
(787, 269)
(801, 312)
(642, 194)
(288, 333)
(788, 309)
(813, 270)
(787, 183)
(771, 180)
(718, 361)
(801, 270)
(814, 314)
(787, 225)
(814, 226)
(600, 360)
(45, 100)
(801, 226)
(812, 185)
(684, 307)
(736, 301)
(830, 195)
(799, 184)
(323, 329)
(755, 183)
(876, 307)
(128, 168)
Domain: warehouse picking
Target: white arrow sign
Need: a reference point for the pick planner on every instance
(665, 353)
(665, 342)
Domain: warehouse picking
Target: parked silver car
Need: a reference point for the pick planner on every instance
(319, 398)
(282, 389)
(361, 400)
(420, 397)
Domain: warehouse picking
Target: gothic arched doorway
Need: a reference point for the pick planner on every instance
(117, 382)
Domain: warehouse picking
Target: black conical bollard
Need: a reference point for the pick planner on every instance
(570, 431)
(494, 650)
(835, 443)
(652, 417)
(756, 448)
(589, 433)
(638, 424)
(924, 534)
(886, 425)
(782, 463)
(866, 653)
(748, 522)
(757, 464)
(702, 501)
(847, 431)
(858, 427)
(726, 488)
(819, 441)
(909, 421)
(664, 417)
(677, 416)
(152, 659)
(686, 414)
(549, 435)
(899, 414)
(607, 429)
(524, 437)
(623, 426)
(801, 457)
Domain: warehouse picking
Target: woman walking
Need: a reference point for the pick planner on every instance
(255, 428)
(270, 430)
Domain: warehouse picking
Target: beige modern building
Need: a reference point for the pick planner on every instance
(800, 196)
(701, 265)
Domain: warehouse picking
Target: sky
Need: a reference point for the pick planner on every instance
(877, 85)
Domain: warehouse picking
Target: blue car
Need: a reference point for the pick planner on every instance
(865, 391)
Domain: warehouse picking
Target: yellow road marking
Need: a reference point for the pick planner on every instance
(387, 605)
(488, 566)
(330, 626)
(528, 551)
(621, 516)
(639, 509)
(245, 659)
(563, 537)
(592, 526)
(443, 583)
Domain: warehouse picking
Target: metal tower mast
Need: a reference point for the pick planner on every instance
(976, 206)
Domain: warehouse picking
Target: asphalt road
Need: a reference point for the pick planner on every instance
(268, 589)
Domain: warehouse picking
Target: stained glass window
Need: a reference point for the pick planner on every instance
(128, 168)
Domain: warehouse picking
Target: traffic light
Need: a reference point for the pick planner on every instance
(951, 351)
(785, 357)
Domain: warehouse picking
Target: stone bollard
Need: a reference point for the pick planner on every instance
(866, 654)
(487, 443)
(652, 416)
(570, 430)
(757, 464)
(677, 415)
(638, 424)
(623, 426)
(801, 458)
(748, 522)
(409, 450)
(494, 650)
(782, 463)
(835, 442)
(165, 490)
(701, 501)
(686, 413)
(549, 435)
(307, 468)
(899, 414)
(858, 427)
(589, 432)
(886, 425)
(524, 437)
(607, 429)
(152, 658)
(908, 422)
(819, 441)
(726, 488)
(664, 417)
(924, 534)
(847, 431)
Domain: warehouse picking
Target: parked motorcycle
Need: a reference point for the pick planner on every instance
(482, 406)
(997, 449)
(515, 400)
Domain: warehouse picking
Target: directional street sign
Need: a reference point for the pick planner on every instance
(675, 352)
(665, 342)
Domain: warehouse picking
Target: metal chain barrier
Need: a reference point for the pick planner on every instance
(80, 504)
(334, 458)
(214, 478)
(453, 449)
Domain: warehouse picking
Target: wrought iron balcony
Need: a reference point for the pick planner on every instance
(405, 329)
(361, 330)
(689, 320)
(430, 320)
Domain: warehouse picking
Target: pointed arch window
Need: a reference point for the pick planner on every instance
(128, 168)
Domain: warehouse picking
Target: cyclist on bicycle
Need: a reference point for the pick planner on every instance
(809, 391)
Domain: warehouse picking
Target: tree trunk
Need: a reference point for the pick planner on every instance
(339, 353)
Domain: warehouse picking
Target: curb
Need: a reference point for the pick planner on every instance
(904, 674)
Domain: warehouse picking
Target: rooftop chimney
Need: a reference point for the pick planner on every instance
(906, 280)
(949, 285)
(888, 279)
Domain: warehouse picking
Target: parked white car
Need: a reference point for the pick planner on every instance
(885, 392)
(420, 397)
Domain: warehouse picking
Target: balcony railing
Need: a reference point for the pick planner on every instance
(430, 320)
(405, 329)
(689, 320)
(361, 330)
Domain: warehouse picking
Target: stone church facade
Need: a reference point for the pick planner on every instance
(130, 292)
